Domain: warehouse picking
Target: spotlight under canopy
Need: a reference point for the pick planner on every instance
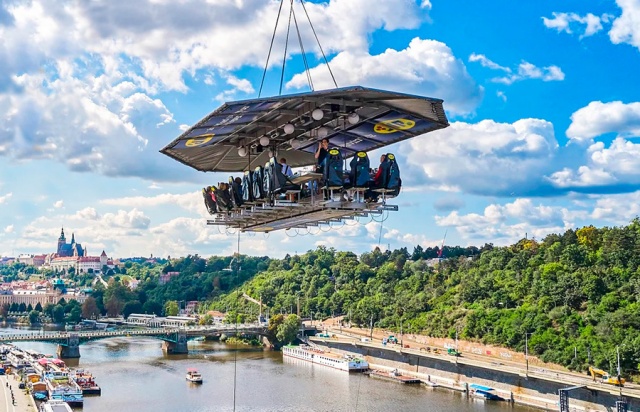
(355, 119)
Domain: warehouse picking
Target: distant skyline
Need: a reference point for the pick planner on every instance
(543, 100)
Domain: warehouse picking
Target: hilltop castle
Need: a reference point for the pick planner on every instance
(69, 249)
(73, 255)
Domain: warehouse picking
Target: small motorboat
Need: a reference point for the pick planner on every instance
(194, 376)
(39, 396)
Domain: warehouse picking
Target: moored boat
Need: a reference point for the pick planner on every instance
(194, 376)
(61, 387)
(484, 392)
(347, 363)
(54, 405)
(84, 379)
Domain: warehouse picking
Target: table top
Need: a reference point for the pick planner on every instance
(305, 177)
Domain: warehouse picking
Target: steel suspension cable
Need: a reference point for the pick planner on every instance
(286, 46)
(266, 65)
(304, 55)
(319, 45)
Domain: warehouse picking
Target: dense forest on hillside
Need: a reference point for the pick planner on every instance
(575, 295)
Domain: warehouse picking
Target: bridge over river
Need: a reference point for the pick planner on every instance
(174, 339)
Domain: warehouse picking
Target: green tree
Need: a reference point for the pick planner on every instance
(34, 317)
(152, 307)
(171, 308)
(75, 314)
(38, 307)
(288, 330)
(131, 307)
(57, 313)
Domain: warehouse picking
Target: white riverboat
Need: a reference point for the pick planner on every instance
(54, 405)
(347, 363)
(18, 358)
(194, 376)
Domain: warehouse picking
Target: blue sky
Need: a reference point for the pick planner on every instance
(543, 99)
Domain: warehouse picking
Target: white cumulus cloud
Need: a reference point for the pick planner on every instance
(426, 67)
(626, 28)
(613, 168)
(5, 198)
(588, 24)
(598, 118)
(486, 158)
(507, 223)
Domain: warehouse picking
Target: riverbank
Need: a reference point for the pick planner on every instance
(517, 385)
(22, 402)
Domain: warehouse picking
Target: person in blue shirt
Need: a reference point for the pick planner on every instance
(286, 169)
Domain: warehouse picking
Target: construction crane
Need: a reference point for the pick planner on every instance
(442, 247)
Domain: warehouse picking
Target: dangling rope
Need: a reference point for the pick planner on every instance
(235, 352)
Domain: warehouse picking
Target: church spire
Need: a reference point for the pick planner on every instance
(73, 238)
(62, 234)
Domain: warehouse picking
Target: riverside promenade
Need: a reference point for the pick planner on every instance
(23, 402)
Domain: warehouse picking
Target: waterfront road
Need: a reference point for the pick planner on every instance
(564, 377)
(23, 402)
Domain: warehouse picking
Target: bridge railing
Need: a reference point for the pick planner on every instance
(127, 332)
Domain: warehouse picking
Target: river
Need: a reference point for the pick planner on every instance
(135, 375)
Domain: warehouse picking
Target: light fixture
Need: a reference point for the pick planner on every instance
(353, 118)
(242, 151)
(270, 153)
(323, 132)
(289, 128)
(295, 144)
(264, 141)
(317, 114)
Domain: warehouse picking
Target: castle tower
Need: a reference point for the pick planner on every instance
(103, 258)
(61, 240)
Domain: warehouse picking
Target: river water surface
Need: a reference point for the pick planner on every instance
(135, 375)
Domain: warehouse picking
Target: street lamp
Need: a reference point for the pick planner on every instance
(526, 351)
(619, 381)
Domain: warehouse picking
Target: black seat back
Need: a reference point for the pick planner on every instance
(235, 191)
(223, 198)
(247, 186)
(280, 182)
(359, 174)
(394, 182)
(333, 169)
(209, 200)
(256, 183)
(267, 180)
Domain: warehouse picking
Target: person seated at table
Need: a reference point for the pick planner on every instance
(286, 169)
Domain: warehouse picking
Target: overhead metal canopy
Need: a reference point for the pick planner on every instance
(353, 119)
